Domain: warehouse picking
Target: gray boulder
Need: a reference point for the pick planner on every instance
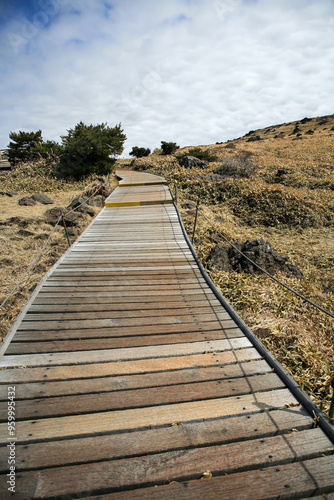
(52, 215)
(192, 162)
(226, 258)
(26, 201)
(77, 201)
(42, 198)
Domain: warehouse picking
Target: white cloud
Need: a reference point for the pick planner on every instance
(191, 71)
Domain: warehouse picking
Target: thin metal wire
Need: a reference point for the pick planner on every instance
(45, 244)
(298, 294)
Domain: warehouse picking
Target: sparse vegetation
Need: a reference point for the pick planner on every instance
(168, 148)
(199, 153)
(139, 152)
(237, 166)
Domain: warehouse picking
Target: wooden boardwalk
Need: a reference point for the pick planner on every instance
(133, 381)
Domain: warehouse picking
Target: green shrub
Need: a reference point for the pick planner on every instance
(24, 146)
(198, 153)
(254, 138)
(140, 152)
(168, 148)
(90, 149)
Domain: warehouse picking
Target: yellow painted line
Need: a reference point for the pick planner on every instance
(110, 204)
(129, 184)
(122, 203)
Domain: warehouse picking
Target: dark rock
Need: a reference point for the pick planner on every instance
(226, 258)
(52, 215)
(192, 162)
(25, 232)
(85, 209)
(80, 205)
(188, 206)
(95, 202)
(6, 193)
(269, 230)
(42, 198)
(77, 201)
(26, 201)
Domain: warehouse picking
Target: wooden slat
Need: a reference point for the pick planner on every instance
(120, 383)
(175, 437)
(222, 329)
(140, 398)
(92, 370)
(61, 345)
(293, 480)
(123, 354)
(144, 418)
(173, 466)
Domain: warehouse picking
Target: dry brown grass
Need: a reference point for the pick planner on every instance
(298, 207)
(18, 248)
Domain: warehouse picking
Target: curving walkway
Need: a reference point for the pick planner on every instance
(133, 381)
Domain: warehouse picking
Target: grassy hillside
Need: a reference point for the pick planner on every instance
(24, 231)
(276, 183)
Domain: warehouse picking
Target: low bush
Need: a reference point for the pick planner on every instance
(199, 153)
(237, 166)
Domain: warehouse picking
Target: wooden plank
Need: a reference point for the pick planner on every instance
(148, 288)
(198, 311)
(175, 466)
(294, 480)
(121, 306)
(175, 437)
(66, 345)
(104, 299)
(139, 398)
(119, 383)
(92, 370)
(145, 418)
(116, 293)
(123, 354)
(223, 329)
(119, 321)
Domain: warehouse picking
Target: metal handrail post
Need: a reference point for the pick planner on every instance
(195, 222)
(64, 224)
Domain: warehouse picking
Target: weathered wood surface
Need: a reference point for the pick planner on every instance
(132, 381)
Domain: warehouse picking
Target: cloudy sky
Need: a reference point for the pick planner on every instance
(188, 71)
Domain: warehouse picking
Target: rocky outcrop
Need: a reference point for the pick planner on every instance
(52, 215)
(192, 162)
(26, 201)
(226, 258)
(42, 198)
